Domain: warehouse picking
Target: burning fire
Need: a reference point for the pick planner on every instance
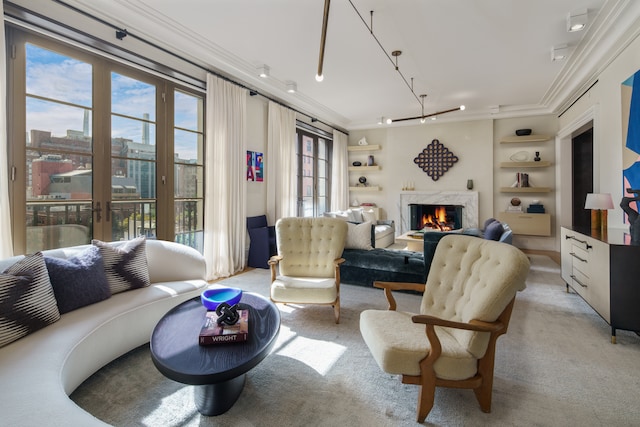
(438, 220)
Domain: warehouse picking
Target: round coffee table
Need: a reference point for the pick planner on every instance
(218, 371)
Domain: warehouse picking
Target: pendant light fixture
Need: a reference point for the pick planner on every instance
(323, 40)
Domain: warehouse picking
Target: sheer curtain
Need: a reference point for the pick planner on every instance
(6, 241)
(225, 178)
(339, 173)
(281, 169)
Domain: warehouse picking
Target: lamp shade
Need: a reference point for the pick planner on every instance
(598, 201)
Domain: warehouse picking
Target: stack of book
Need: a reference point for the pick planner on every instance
(535, 208)
(522, 180)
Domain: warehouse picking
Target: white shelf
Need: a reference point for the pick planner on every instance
(364, 168)
(374, 147)
(525, 138)
(369, 188)
(540, 164)
(525, 189)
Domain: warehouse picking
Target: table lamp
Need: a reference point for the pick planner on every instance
(598, 203)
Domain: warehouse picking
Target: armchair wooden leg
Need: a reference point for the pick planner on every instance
(426, 397)
(336, 310)
(485, 370)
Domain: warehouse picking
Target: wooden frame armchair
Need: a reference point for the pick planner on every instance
(307, 267)
(466, 306)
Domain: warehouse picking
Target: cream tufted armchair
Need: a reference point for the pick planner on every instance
(466, 305)
(308, 260)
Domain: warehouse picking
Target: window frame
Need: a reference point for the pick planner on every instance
(102, 68)
(301, 133)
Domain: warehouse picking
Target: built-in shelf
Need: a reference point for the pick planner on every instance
(525, 189)
(369, 188)
(364, 168)
(525, 138)
(374, 147)
(540, 164)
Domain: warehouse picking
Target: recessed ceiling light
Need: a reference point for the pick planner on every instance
(292, 87)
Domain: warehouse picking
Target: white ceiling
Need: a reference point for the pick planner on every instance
(480, 53)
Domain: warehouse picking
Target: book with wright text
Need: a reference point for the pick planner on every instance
(212, 333)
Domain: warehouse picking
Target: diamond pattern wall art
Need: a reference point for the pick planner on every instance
(435, 160)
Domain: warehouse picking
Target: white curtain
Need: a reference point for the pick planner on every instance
(6, 241)
(339, 173)
(281, 165)
(225, 182)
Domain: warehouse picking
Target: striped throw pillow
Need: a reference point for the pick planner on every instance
(27, 301)
(125, 266)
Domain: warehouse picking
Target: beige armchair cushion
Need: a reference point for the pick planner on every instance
(398, 345)
(304, 289)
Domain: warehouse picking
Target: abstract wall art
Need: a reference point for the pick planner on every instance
(435, 160)
(255, 166)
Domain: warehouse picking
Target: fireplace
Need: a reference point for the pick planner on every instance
(467, 199)
(435, 217)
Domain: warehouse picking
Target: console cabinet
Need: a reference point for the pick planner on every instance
(604, 271)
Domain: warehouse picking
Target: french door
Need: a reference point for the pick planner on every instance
(313, 154)
(95, 149)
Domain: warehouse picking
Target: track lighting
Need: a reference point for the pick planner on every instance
(560, 52)
(120, 34)
(424, 116)
(263, 71)
(577, 21)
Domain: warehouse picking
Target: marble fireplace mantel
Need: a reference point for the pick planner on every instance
(468, 199)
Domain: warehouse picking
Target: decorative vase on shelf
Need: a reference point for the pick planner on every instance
(537, 157)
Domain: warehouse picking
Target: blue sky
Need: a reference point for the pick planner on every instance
(61, 78)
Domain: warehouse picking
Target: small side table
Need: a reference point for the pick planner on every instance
(413, 243)
(218, 371)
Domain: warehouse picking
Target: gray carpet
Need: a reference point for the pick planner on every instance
(555, 367)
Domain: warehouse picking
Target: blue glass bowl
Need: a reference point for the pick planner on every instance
(212, 298)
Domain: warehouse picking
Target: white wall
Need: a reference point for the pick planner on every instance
(257, 113)
(471, 141)
(604, 100)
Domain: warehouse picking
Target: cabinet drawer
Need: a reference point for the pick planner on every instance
(529, 224)
(580, 283)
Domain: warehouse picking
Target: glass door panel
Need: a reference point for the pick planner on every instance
(188, 169)
(132, 206)
(58, 150)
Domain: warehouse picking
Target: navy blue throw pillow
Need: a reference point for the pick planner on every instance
(494, 231)
(488, 222)
(78, 281)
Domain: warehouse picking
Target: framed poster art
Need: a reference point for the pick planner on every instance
(255, 166)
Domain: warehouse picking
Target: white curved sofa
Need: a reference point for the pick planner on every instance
(39, 372)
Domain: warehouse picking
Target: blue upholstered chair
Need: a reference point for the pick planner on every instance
(263, 241)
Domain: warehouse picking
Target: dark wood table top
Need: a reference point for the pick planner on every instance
(177, 355)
